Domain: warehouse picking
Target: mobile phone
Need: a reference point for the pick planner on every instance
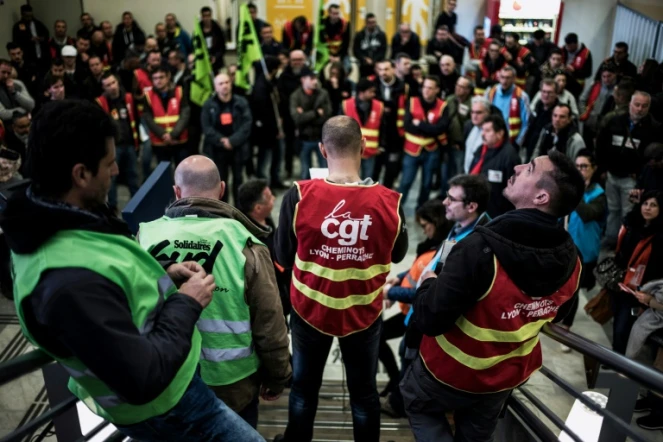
(626, 288)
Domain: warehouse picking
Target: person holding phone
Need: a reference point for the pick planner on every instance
(640, 253)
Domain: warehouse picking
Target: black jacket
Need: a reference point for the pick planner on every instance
(22, 36)
(373, 46)
(626, 69)
(497, 168)
(539, 119)
(411, 48)
(635, 232)
(77, 312)
(613, 144)
(123, 40)
(287, 83)
(389, 136)
(534, 251)
(265, 127)
(218, 48)
(332, 30)
(242, 122)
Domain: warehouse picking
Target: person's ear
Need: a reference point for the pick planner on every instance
(222, 190)
(542, 198)
(472, 207)
(323, 151)
(363, 146)
(178, 192)
(80, 176)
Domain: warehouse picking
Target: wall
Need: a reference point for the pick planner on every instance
(47, 11)
(593, 21)
(650, 8)
(10, 13)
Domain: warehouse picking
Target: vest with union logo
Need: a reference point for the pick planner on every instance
(415, 143)
(495, 345)
(166, 118)
(129, 102)
(515, 123)
(371, 128)
(345, 236)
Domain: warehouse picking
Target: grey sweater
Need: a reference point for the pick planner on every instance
(19, 100)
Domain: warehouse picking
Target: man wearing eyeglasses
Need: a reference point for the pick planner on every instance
(619, 59)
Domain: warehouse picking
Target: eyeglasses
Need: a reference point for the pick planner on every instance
(454, 199)
(582, 166)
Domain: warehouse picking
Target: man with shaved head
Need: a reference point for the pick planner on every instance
(340, 246)
(244, 352)
(226, 121)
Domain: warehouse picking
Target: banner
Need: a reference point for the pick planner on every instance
(321, 54)
(278, 12)
(202, 86)
(248, 47)
(417, 14)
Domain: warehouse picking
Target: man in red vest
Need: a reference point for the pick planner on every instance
(425, 132)
(143, 75)
(120, 106)
(578, 61)
(519, 57)
(337, 34)
(367, 111)
(166, 116)
(340, 236)
(481, 316)
(298, 34)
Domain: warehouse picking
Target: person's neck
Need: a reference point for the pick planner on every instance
(429, 101)
(588, 182)
(342, 170)
(507, 89)
(225, 98)
(60, 40)
(400, 76)
(181, 67)
(258, 218)
(471, 219)
(110, 96)
(98, 77)
(462, 98)
(389, 82)
(73, 199)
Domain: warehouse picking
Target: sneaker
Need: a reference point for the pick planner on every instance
(564, 348)
(642, 405)
(386, 408)
(653, 421)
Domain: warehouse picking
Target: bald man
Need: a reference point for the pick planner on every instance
(226, 121)
(244, 338)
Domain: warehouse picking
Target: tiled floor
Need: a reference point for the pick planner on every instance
(24, 398)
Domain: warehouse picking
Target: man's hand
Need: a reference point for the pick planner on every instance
(300, 110)
(321, 111)
(334, 59)
(388, 303)
(199, 287)
(644, 298)
(167, 138)
(428, 274)
(570, 68)
(393, 280)
(268, 395)
(180, 273)
(438, 54)
(225, 142)
(10, 85)
(416, 122)
(368, 60)
(634, 195)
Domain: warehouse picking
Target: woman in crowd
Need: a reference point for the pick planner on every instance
(402, 287)
(640, 254)
(585, 225)
(338, 86)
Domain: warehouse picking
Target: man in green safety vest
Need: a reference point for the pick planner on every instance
(121, 324)
(244, 336)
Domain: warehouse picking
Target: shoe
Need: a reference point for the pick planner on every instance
(653, 421)
(564, 348)
(279, 438)
(642, 405)
(386, 408)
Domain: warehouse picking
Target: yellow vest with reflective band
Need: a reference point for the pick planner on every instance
(415, 143)
(515, 123)
(495, 345)
(371, 128)
(217, 244)
(146, 286)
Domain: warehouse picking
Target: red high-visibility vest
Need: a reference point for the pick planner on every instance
(415, 143)
(144, 80)
(478, 55)
(591, 101)
(400, 116)
(345, 236)
(578, 62)
(515, 123)
(129, 101)
(371, 128)
(166, 118)
(290, 32)
(495, 345)
(522, 53)
(334, 43)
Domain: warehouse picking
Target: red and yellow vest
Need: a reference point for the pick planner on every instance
(522, 53)
(578, 62)
(143, 79)
(413, 275)
(515, 123)
(345, 238)
(129, 101)
(637, 263)
(478, 55)
(290, 32)
(495, 346)
(371, 129)
(485, 76)
(334, 43)
(167, 119)
(415, 143)
(591, 101)
(400, 116)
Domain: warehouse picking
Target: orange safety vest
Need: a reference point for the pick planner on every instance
(371, 129)
(334, 43)
(400, 116)
(143, 79)
(167, 119)
(522, 53)
(515, 123)
(413, 275)
(495, 345)
(415, 143)
(578, 62)
(591, 101)
(345, 237)
(129, 101)
(478, 55)
(290, 32)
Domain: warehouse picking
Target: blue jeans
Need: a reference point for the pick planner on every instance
(310, 349)
(198, 416)
(428, 161)
(451, 167)
(367, 167)
(617, 192)
(125, 156)
(309, 147)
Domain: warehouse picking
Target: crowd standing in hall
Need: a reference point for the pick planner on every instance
(522, 147)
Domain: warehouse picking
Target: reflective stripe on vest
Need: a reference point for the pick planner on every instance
(414, 143)
(129, 102)
(495, 345)
(345, 237)
(166, 118)
(217, 244)
(371, 128)
(145, 284)
(400, 115)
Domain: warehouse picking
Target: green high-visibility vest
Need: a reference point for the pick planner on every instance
(146, 286)
(227, 353)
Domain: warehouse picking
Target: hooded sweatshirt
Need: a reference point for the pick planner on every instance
(534, 251)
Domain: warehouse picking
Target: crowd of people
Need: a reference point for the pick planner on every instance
(532, 165)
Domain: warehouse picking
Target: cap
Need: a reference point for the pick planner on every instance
(307, 72)
(69, 51)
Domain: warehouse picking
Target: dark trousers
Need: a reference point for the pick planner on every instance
(269, 154)
(587, 281)
(125, 156)
(225, 160)
(392, 328)
(360, 357)
(427, 401)
(391, 168)
(290, 148)
(623, 321)
(588, 136)
(172, 154)
(250, 413)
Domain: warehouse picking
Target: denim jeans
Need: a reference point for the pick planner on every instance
(617, 190)
(427, 401)
(428, 161)
(451, 167)
(199, 416)
(269, 154)
(367, 167)
(360, 357)
(623, 320)
(125, 156)
(309, 147)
